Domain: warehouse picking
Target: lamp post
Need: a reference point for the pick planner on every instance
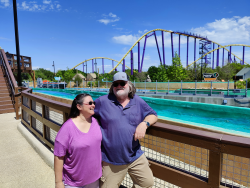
(54, 68)
(19, 78)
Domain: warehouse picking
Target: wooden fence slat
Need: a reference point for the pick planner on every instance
(215, 164)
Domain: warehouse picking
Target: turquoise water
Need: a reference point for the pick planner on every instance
(229, 119)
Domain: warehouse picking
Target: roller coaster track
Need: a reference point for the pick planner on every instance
(218, 49)
(169, 31)
(97, 58)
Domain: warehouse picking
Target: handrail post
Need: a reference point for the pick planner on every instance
(156, 87)
(181, 87)
(228, 88)
(215, 165)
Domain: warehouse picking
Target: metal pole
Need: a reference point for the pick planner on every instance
(230, 54)
(195, 87)
(112, 64)
(98, 85)
(163, 50)
(19, 77)
(168, 86)
(211, 88)
(69, 84)
(243, 55)
(143, 51)
(145, 84)
(139, 66)
(228, 88)
(123, 65)
(172, 46)
(132, 65)
(246, 89)
(181, 87)
(77, 85)
(157, 47)
(180, 45)
(195, 58)
(187, 50)
(213, 57)
(102, 66)
(223, 58)
(156, 87)
(218, 55)
(93, 65)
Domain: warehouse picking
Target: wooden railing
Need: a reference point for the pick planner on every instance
(220, 154)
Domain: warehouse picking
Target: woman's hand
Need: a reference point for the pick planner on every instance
(59, 184)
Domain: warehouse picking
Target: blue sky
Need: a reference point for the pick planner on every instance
(68, 32)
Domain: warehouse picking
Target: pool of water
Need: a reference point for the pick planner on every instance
(235, 120)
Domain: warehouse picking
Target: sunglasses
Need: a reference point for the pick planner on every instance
(90, 103)
(119, 83)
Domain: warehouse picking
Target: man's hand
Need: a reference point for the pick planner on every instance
(140, 131)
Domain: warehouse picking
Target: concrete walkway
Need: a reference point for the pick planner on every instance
(20, 165)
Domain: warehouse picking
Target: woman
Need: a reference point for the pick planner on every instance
(77, 161)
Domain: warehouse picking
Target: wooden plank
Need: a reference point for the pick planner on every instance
(47, 102)
(44, 126)
(37, 134)
(215, 164)
(48, 123)
(176, 177)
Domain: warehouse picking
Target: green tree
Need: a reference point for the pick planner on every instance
(78, 79)
(152, 72)
(176, 71)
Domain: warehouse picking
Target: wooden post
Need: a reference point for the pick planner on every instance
(30, 105)
(44, 126)
(215, 164)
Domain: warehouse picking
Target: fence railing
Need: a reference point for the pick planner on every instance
(179, 156)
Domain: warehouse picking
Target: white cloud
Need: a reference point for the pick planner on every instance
(227, 30)
(46, 2)
(2, 38)
(109, 18)
(6, 3)
(139, 31)
(145, 31)
(34, 6)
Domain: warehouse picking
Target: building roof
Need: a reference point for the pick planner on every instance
(78, 74)
(243, 71)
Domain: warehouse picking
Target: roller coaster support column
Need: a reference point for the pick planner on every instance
(139, 66)
(93, 65)
(230, 54)
(223, 58)
(157, 47)
(112, 64)
(132, 66)
(163, 51)
(102, 66)
(194, 57)
(172, 46)
(213, 57)
(243, 55)
(234, 59)
(123, 66)
(143, 51)
(217, 64)
(187, 48)
(179, 45)
(83, 67)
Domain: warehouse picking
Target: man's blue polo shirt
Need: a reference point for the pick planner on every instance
(118, 126)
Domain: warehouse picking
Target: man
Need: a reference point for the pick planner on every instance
(124, 118)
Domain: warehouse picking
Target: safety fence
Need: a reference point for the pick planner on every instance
(178, 156)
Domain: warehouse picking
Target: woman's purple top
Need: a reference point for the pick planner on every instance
(82, 151)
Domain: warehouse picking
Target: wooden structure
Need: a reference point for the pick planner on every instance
(25, 64)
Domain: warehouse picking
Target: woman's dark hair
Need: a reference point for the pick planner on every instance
(74, 112)
(132, 90)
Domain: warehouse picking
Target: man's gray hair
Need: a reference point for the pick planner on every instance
(132, 89)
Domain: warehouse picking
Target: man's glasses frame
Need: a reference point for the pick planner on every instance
(122, 83)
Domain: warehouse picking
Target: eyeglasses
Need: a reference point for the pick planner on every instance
(119, 83)
(90, 103)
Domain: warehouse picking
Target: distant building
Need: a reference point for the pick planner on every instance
(80, 75)
(91, 77)
(243, 74)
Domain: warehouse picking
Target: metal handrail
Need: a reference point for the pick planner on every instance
(8, 76)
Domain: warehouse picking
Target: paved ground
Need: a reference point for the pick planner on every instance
(20, 165)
